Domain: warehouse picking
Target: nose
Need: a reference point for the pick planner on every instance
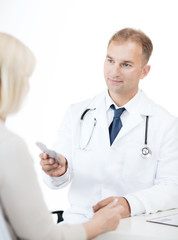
(116, 70)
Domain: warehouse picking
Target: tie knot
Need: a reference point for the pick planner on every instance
(117, 112)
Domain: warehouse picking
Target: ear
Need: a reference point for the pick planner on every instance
(145, 71)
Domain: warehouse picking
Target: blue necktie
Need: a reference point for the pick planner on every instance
(116, 124)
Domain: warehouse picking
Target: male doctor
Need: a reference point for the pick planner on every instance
(119, 144)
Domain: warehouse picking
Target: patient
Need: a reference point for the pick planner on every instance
(21, 199)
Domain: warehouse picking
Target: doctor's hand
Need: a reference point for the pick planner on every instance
(104, 220)
(121, 202)
(50, 167)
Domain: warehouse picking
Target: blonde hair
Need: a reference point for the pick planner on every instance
(16, 65)
(130, 34)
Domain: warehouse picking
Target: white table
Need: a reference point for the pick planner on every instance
(137, 228)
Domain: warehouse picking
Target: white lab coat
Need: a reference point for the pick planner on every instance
(119, 170)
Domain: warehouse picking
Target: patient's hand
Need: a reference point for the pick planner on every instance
(121, 201)
(105, 219)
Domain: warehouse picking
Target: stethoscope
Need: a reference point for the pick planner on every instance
(145, 151)
(84, 147)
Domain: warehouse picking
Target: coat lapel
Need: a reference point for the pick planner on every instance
(132, 121)
(100, 114)
(136, 116)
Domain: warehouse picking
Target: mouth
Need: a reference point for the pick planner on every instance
(114, 81)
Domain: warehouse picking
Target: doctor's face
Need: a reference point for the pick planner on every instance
(123, 68)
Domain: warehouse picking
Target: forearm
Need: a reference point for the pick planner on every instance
(105, 219)
(91, 230)
(160, 197)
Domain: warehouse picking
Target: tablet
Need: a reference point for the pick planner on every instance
(171, 220)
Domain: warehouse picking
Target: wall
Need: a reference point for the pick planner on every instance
(69, 40)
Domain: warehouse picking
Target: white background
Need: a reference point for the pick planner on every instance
(69, 39)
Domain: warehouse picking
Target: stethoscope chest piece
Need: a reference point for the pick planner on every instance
(146, 152)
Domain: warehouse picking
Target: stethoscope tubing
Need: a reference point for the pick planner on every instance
(145, 151)
(146, 130)
(91, 134)
(84, 113)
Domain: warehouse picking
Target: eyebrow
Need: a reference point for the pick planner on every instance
(128, 61)
(107, 56)
(124, 61)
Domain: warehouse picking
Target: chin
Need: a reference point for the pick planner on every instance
(115, 89)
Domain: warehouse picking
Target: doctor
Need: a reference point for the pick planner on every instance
(138, 162)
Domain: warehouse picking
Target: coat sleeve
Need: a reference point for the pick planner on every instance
(22, 200)
(68, 134)
(63, 145)
(163, 195)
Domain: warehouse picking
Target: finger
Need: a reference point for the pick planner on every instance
(49, 167)
(98, 206)
(114, 203)
(54, 173)
(118, 209)
(102, 204)
(43, 155)
(121, 209)
(48, 161)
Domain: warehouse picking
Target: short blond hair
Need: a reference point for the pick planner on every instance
(16, 65)
(130, 34)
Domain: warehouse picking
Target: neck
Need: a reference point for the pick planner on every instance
(120, 99)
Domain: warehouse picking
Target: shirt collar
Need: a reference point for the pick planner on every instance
(129, 106)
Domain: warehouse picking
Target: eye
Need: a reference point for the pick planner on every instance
(126, 65)
(109, 60)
